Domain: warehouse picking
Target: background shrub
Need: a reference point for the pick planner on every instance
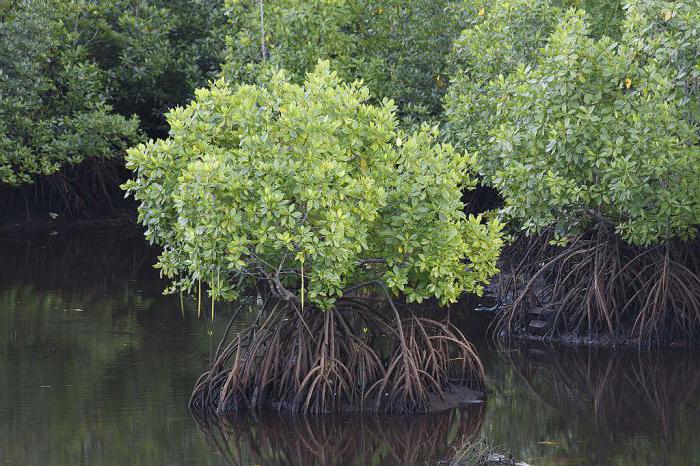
(72, 73)
(581, 132)
(154, 52)
(53, 101)
(397, 47)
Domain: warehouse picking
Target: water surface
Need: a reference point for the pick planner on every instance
(97, 366)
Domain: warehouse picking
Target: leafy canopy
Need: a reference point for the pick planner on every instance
(591, 131)
(500, 35)
(397, 47)
(53, 105)
(286, 182)
(73, 72)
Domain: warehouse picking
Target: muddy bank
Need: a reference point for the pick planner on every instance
(573, 341)
(456, 396)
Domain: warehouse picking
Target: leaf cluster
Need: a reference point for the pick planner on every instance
(397, 47)
(578, 131)
(668, 34)
(313, 189)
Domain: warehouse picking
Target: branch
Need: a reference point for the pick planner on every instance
(362, 262)
(263, 48)
(279, 290)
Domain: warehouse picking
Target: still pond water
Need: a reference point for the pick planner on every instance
(96, 367)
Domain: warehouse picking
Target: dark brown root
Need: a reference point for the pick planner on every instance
(272, 438)
(599, 286)
(352, 357)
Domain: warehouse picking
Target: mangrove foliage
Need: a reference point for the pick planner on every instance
(317, 194)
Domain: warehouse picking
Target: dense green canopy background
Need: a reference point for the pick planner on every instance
(596, 111)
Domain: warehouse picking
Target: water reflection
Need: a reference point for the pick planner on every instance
(272, 438)
(605, 407)
(97, 367)
(95, 363)
(94, 263)
(621, 391)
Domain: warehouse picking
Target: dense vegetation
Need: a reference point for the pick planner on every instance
(594, 145)
(325, 158)
(73, 75)
(329, 196)
(397, 47)
(87, 69)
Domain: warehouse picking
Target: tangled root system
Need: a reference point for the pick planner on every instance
(353, 357)
(598, 285)
(272, 438)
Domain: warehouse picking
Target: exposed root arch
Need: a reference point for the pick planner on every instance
(599, 285)
(671, 297)
(351, 357)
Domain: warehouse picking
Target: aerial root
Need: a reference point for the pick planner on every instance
(598, 284)
(353, 356)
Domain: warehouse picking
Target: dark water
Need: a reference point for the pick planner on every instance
(96, 367)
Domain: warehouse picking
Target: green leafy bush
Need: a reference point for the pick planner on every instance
(667, 34)
(593, 147)
(53, 105)
(312, 189)
(154, 52)
(504, 34)
(586, 133)
(397, 47)
(499, 36)
(73, 72)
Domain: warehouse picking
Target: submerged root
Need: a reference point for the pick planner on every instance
(598, 285)
(350, 357)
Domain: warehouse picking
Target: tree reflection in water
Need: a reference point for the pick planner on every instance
(273, 438)
(626, 397)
